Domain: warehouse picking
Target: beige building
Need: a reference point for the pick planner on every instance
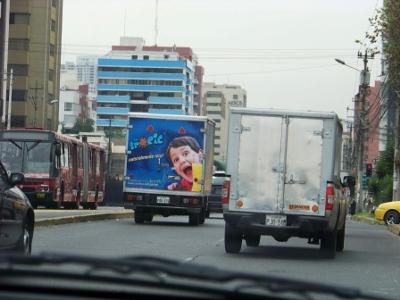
(35, 57)
(216, 102)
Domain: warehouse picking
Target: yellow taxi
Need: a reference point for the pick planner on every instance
(388, 212)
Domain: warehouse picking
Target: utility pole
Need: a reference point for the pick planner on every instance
(360, 132)
(10, 92)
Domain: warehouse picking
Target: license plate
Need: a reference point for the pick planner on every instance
(162, 200)
(273, 220)
(40, 195)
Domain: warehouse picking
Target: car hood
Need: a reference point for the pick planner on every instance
(392, 204)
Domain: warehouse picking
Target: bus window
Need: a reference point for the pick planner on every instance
(11, 155)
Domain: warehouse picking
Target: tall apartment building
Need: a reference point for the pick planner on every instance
(35, 57)
(87, 71)
(216, 102)
(138, 78)
(76, 100)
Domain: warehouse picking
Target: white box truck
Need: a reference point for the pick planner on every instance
(285, 179)
(168, 166)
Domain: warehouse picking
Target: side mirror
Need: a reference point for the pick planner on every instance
(349, 181)
(16, 178)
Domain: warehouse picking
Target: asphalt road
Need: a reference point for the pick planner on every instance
(370, 261)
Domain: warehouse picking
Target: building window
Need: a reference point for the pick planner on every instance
(18, 121)
(52, 50)
(51, 75)
(67, 106)
(19, 18)
(214, 94)
(235, 97)
(53, 25)
(19, 69)
(18, 44)
(54, 3)
(134, 57)
(145, 57)
(18, 95)
(166, 56)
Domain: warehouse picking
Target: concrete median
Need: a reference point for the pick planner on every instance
(84, 218)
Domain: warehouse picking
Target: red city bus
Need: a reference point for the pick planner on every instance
(59, 170)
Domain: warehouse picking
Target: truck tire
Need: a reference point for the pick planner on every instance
(233, 239)
(202, 217)
(340, 239)
(148, 217)
(194, 219)
(328, 245)
(252, 240)
(139, 217)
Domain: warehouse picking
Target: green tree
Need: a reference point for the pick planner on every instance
(380, 185)
(86, 125)
(219, 165)
(386, 24)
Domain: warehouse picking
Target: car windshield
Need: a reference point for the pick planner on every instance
(258, 136)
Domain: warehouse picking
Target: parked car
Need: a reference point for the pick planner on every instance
(16, 214)
(214, 203)
(389, 212)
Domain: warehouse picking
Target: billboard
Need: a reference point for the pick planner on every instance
(165, 154)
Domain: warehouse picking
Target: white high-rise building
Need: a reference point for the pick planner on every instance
(216, 102)
(86, 67)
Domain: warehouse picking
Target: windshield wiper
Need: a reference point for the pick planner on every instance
(162, 269)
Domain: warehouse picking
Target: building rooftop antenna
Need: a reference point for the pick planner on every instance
(156, 25)
(125, 23)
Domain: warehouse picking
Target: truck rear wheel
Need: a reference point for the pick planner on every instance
(340, 239)
(252, 240)
(139, 217)
(194, 219)
(148, 217)
(233, 239)
(328, 245)
(202, 216)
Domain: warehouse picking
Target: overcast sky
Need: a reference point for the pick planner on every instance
(281, 51)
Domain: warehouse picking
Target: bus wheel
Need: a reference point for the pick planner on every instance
(92, 205)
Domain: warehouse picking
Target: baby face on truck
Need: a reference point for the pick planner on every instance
(183, 152)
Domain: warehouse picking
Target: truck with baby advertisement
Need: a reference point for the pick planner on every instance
(168, 166)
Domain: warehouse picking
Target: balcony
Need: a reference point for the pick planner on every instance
(113, 99)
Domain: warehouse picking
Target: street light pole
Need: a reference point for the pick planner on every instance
(109, 150)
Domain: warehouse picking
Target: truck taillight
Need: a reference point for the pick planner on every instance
(225, 192)
(330, 196)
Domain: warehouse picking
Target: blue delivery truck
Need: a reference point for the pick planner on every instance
(168, 166)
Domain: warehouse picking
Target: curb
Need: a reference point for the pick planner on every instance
(367, 220)
(83, 218)
(394, 228)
